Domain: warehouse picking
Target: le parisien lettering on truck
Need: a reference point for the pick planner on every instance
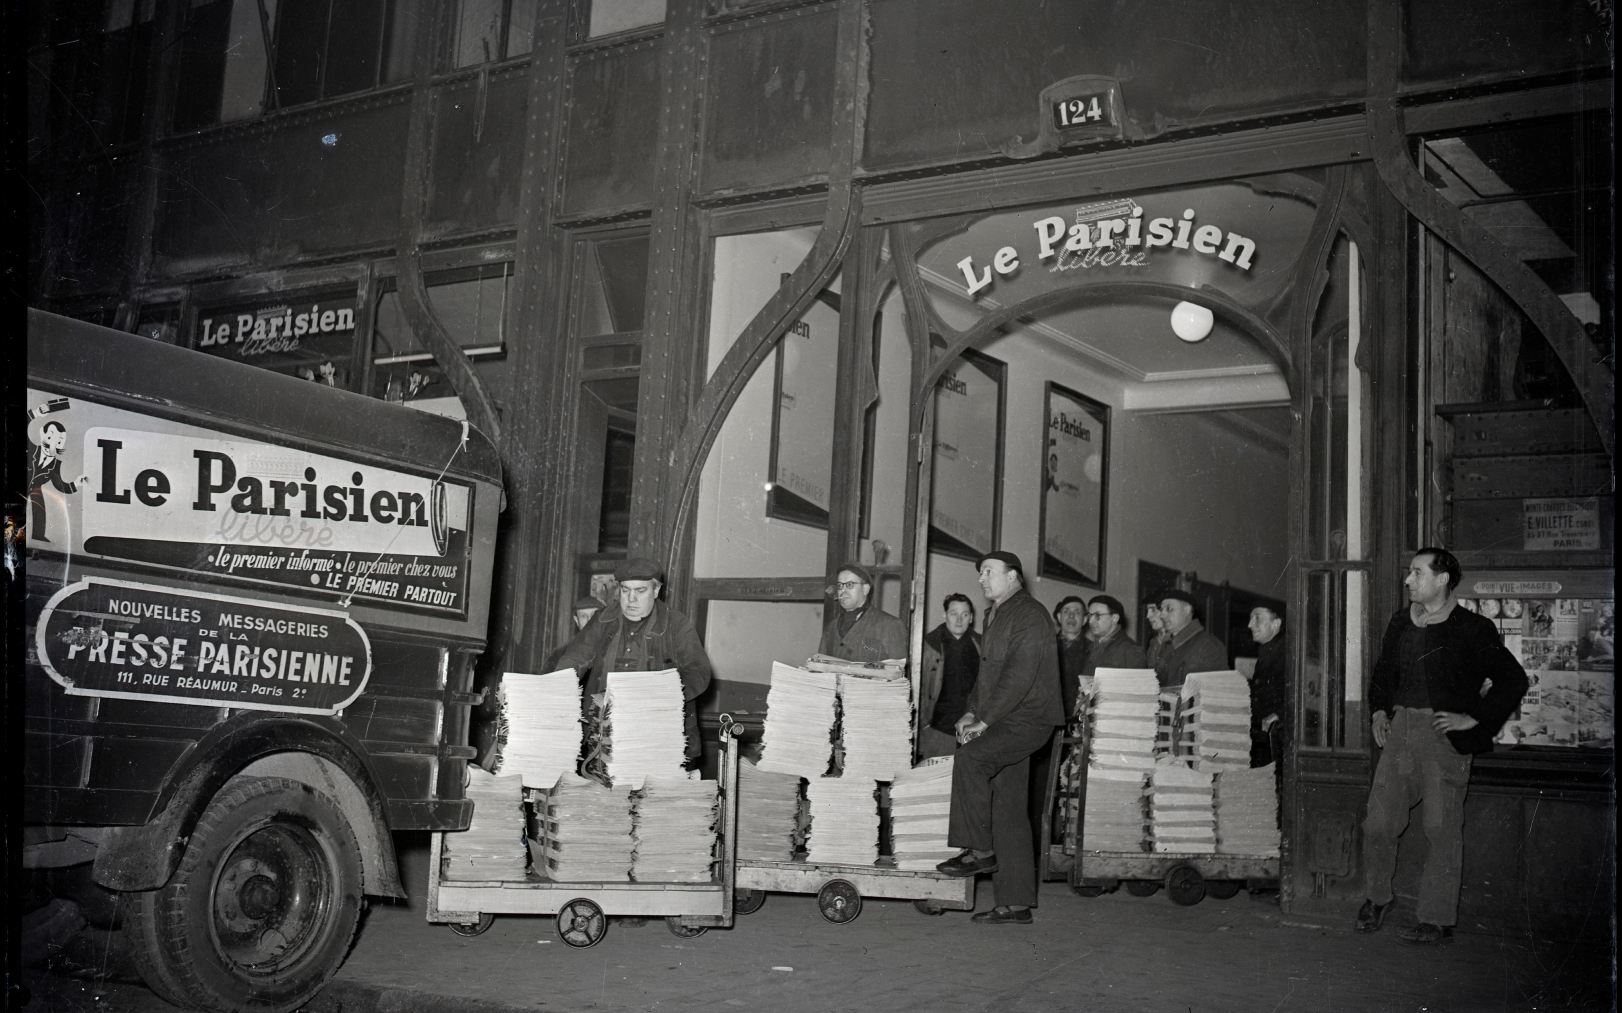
(113, 638)
(263, 513)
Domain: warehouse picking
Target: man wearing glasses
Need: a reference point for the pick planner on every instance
(1112, 648)
(860, 632)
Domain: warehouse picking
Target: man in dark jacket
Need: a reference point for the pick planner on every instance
(1433, 708)
(1112, 647)
(858, 631)
(1190, 648)
(639, 633)
(1268, 704)
(951, 666)
(1071, 616)
(1013, 710)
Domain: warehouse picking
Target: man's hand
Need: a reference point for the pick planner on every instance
(1448, 721)
(971, 732)
(1382, 727)
(963, 722)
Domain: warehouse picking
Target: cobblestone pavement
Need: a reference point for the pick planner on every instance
(1109, 953)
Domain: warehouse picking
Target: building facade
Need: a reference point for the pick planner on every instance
(1252, 298)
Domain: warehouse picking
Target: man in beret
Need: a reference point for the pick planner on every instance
(1012, 712)
(860, 632)
(1189, 648)
(639, 633)
(1268, 703)
(1112, 647)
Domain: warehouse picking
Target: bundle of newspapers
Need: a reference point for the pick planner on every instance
(800, 711)
(582, 831)
(920, 812)
(844, 821)
(1181, 818)
(542, 716)
(673, 827)
(1247, 812)
(492, 847)
(646, 726)
(875, 725)
(1214, 720)
(768, 813)
(1125, 709)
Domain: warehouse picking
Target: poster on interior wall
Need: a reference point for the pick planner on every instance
(966, 494)
(1075, 466)
(801, 467)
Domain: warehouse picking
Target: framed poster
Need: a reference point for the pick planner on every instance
(807, 373)
(1075, 478)
(965, 517)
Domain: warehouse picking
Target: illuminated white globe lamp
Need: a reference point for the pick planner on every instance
(1191, 322)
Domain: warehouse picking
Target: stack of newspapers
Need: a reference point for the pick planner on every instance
(920, 811)
(1180, 810)
(1215, 720)
(844, 821)
(492, 847)
(800, 708)
(543, 726)
(1126, 705)
(673, 826)
(582, 831)
(646, 731)
(768, 813)
(1247, 812)
(876, 728)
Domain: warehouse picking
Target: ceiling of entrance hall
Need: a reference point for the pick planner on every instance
(1134, 341)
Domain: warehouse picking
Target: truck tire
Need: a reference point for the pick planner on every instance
(263, 907)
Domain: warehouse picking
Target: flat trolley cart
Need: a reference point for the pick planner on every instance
(469, 907)
(840, 888)
(1187, 878)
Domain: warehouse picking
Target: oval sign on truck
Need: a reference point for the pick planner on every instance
(114, 638)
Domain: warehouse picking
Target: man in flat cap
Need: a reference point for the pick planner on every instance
(1189, 648)
(639, 633)
(1012, 712)
(860, 632)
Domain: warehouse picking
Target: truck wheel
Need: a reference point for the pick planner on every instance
(262, 909)
(1185, 886)
(1221, 889)
(1142, 887)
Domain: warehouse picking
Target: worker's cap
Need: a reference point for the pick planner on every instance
(1067, 599)
(637, 568)
(1008, 559)
(587, 602)
(1110, 603)
(1173, 594)
(862, 573)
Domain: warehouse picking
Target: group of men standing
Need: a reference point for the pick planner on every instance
(1442, 687)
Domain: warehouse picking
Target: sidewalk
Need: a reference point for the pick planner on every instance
(1105, 954)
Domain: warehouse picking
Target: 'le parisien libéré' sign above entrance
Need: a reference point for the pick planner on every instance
(1113, 233)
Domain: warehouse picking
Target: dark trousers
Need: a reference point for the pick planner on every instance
(990, 782)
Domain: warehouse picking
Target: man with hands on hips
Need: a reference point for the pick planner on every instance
(1442, 688)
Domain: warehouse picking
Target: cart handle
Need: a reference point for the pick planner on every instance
(728, 727)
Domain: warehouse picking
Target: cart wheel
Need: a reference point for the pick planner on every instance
(1185, 885)
(1087, 889)
(839, 902)
(582, 923)
(928, 907)
(477, 928)
(1221, 889)
(1142, 887)
(680, 931)
(747, 902)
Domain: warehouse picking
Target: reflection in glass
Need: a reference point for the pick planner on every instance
(807, 359)
(965, 494)
(613, 283)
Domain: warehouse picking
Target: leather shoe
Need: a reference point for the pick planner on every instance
(1003, 916)
(1427, 934)
(967, 865)
(1370, 915)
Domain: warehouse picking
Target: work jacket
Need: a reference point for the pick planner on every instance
(1019, 669)
(1191, 650)
(1462, 652)
(876, 636)
(665, 639)
(933, 670)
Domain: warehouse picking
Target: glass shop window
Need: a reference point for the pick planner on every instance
(471, 303)
(609, 16)
(491, 30)
(610, 281)
(242, 58)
